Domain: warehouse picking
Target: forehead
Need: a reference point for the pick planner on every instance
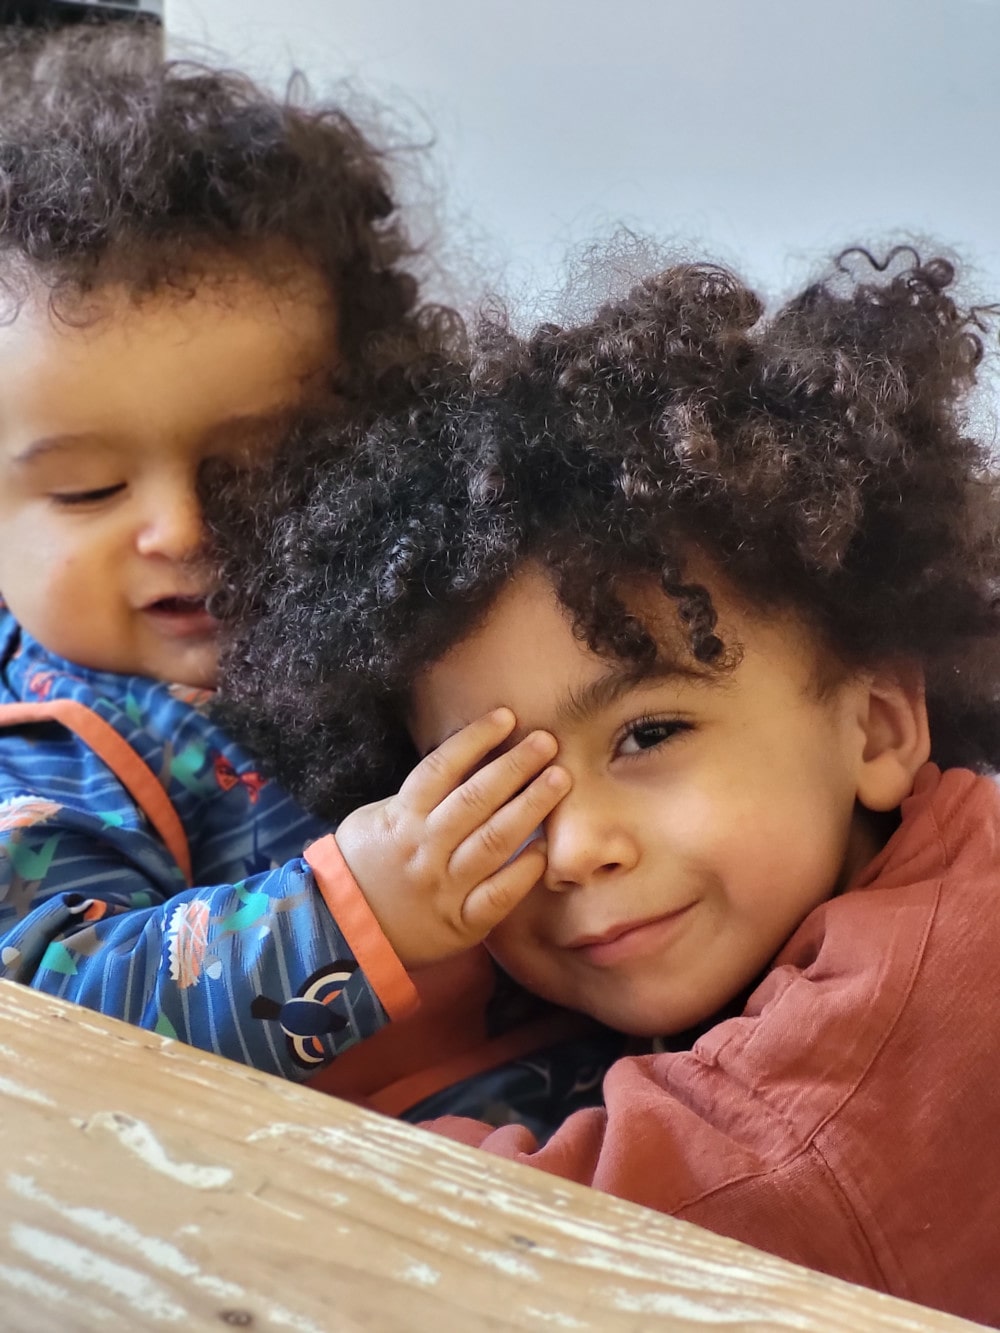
(524, 655)
(211, 348)
(125, 305)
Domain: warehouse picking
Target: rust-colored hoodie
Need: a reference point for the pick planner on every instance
(849, 1119)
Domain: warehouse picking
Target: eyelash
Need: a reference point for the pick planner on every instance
(668, 729)
(71, 498)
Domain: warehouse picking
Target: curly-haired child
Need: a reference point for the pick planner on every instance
(693, 613)
(184, 259)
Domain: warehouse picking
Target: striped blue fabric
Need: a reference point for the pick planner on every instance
(93, 908)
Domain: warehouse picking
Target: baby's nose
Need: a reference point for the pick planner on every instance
(171, 527)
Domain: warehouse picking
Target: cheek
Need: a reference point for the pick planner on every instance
(58, 565)
(516, 945)
(701, 822)
(60, 578)
(748, 843)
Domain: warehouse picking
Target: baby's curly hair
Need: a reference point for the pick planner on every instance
(115, 163)
(820, 457)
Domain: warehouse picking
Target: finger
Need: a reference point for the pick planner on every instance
(441, 771)
(499, 838)
(489, 789)
(496, 897)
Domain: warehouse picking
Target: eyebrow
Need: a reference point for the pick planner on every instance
(278, 419)
(52, 444)
(578, 705)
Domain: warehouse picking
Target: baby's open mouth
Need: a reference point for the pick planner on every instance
(178, 606)
(185, 617)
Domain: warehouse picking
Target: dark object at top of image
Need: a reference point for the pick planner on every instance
(55, 13)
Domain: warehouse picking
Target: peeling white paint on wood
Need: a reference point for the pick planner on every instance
(139, 1139)
(285, 1319)
(8, 1088)
(80, 1264)
(67, 1305)
(422, 1274)
(156, 1251)
(151, 1186)
(553, 1318)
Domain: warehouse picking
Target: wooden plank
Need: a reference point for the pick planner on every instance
(147, 1185)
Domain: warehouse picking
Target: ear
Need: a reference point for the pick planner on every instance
(896, 735)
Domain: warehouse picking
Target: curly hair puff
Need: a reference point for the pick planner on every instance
(820, 457)
(117, 164)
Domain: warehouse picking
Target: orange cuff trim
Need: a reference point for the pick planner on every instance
(356, 920)
(132, 772)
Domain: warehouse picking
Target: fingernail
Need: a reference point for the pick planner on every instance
(543, 741)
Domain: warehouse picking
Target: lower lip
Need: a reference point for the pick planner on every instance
(642, 940)
(194, 624)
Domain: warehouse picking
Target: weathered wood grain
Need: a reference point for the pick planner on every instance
(146, 1185)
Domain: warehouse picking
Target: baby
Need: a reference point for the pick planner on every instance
(185, 260)
(659, 655)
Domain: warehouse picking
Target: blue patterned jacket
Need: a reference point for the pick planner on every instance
(148, 871)
(208, 927)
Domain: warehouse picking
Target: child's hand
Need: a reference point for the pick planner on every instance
(436, 862)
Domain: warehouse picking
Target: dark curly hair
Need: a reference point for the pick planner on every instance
(819, 457)
(116, 163)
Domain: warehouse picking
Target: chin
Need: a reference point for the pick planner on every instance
(197, 671)
(637, 1026)
(188, 676)
(651, 1021)
(194, 680)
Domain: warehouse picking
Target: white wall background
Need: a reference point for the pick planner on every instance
(765, 132)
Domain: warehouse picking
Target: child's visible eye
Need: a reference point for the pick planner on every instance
(70, 498)
(649, 733)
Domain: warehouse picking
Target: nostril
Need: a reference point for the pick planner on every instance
(561, 886)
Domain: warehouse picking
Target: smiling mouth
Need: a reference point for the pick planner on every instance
(634, 937)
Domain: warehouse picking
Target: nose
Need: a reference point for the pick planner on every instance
(170, 523)
(588, 840)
